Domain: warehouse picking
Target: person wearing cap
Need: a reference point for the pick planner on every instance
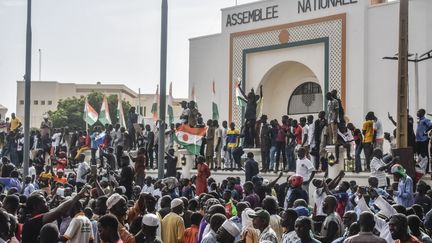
(261, 221)
(46, 126)
(173, 224)
(227, 232)
(116, 205)
(147, 234)
(59, 178)
(404, 194)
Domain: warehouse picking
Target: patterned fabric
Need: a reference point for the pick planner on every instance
(268, 235)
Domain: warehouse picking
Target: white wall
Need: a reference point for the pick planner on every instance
(209, 61)
(278, 85)
(260, 63)
(371, 33)
(382, 76)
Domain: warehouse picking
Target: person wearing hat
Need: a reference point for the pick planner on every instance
(147, 234)
(172, 224)
(404, 194)
(261, 221)
(59, 177)
(227, 232)
(46, 126)
(117, 206)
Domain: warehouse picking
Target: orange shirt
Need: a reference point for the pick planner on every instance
(412, 239)
(62, 180)
(191, 234)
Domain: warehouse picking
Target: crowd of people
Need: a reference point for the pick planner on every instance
(92, 186)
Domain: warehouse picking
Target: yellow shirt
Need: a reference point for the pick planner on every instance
(172, 228)
(368, 131)
(14, 123)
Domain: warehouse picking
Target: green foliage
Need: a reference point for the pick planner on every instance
(70, 111)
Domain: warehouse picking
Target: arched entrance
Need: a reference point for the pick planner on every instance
(291, 88)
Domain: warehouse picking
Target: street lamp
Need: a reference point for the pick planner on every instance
(416, 60)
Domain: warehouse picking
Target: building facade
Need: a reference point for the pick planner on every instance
(45, 96)
(299, 50)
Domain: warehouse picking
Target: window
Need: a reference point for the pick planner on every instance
(49, 102)
(21, 102)
(145, 111)
(35, 102)
(306, 98)
(42, 102)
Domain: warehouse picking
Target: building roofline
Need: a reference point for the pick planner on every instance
(245, 4)
(204, 36)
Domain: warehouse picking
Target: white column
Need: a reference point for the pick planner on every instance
(334, 170)
(186, 169)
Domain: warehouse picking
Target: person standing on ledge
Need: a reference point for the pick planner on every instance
(251, 114)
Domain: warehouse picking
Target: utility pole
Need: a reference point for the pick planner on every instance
(40, 64)
(402, 150)
(162, 96)
(402, 102)
(27, 92)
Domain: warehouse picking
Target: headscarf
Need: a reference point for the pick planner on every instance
(397, 168)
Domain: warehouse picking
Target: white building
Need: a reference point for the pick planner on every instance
(46, 94)
(301, 49)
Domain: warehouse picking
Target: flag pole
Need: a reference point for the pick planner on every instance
(27, 91)
(162, 106)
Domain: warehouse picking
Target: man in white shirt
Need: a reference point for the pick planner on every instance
(148, 186)
(379, 131)
(56, 140)
(304, 168)
(310, 143)
(224, 136)
(83, 170)
(80, 229)
(28, 186)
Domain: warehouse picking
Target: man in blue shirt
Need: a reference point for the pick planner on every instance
(422, 140)
(404, 194)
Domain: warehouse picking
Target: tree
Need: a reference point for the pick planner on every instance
(70, 111)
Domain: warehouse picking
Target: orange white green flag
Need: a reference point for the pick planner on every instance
(170, 106)
(120, 113)
(90, 114)
(155, 105)
(104, 116)
(190, 138)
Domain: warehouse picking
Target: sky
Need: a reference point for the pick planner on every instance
(108, 41)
